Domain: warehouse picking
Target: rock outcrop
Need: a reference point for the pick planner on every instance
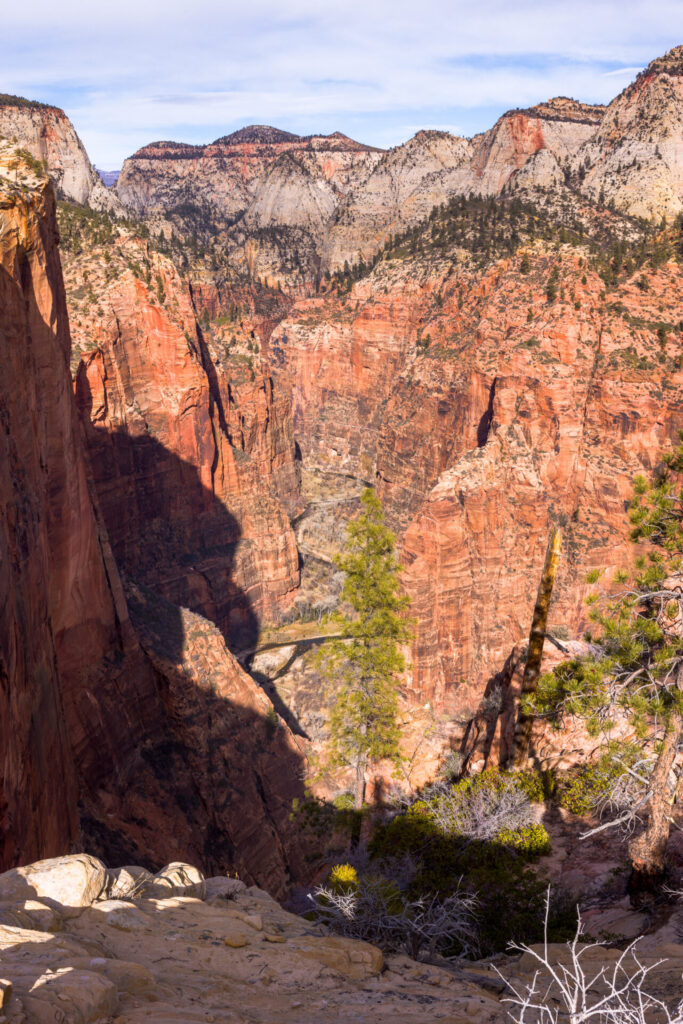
(400, 190)
(518, 413)
(48, 135)
(234, 955)
(558, 127)
(433, 166)
(635, 159)
(156, 750)
(61, 617)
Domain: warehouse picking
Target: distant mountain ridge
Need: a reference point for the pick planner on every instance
(290, 207)
(109, 178)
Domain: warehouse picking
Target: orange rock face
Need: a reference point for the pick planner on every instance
(520, 413)
(143, 751)
(188, 464)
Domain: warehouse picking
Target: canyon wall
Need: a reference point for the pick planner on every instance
(147, 742)
(190, 440)
(48, 135)
(520, 413)
(38, 796)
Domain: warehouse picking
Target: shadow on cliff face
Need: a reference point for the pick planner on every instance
(212, 776)
(167, 529)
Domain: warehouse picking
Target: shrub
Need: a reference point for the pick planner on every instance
(480, 834)
(583, 788)
(538, 785)
(532, 841)
(342, 878)
(483, 807)
(376, 911)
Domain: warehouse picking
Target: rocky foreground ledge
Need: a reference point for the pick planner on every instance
(81, 943)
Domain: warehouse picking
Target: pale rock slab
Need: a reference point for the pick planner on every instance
(73, 881)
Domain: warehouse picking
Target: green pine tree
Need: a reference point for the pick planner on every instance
(636, 669)
(367, 659)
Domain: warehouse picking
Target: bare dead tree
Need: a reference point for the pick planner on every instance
(539, 624)
(376, 912)
(572, 992)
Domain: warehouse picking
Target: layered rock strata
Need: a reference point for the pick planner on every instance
(148, 751)
(190, 440)
(635, 159)
(279, 177)
(518, 413)
(49, 136)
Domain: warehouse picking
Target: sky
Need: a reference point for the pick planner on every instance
(135, 71)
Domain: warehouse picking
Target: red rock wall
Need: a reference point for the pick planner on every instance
(38, 794)
(189, 464)
(143, 753)
(503, 425)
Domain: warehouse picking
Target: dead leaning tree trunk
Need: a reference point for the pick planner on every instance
(648, 850)
(532, 669)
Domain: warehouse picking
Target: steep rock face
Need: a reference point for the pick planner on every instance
(38, 795)
(71, 662)
(47, 134)
(235, 766)
(635, 159)
(519, 413)
(559, 127)
(401, 189)
(306, 204)
(189, 463)
(154, 750)
(224, 176)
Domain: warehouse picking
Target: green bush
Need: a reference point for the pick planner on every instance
(581, 788)
(343, 801)
(538, 785)
(531, 842)
(510, 895)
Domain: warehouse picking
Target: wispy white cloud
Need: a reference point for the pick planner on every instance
(621, 72)
(377, 69)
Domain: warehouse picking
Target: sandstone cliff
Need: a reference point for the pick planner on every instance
(190, 440)
(434, 166)
(298, 205)
(225, 177)
(485, 412)
(144, 750)
(40, 480)
(48, 135)
(634, 159)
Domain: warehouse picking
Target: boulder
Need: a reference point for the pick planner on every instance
(132, 978)
(65, 994)
(122, 915)
(74, 881)
(127, 882)
(176, 879)
(220, 887)
(350, 957)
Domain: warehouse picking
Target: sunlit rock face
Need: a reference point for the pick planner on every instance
(48, 135)
(635, 159)
(521, 413)
(192, 452)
